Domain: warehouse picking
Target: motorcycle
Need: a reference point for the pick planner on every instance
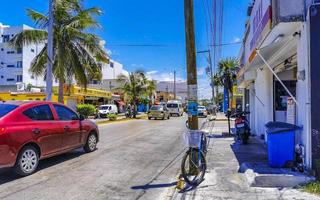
(242, 126)
(129, 113)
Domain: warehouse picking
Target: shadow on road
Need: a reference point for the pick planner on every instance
(153, 186)
(7, 174)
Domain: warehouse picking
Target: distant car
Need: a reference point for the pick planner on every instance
(105, 110)
(157, 112)
(202, 111)
(175, 108)
(31, 131)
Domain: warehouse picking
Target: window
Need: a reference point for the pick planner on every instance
(10, 66)
(1, 76)
(10, 52)
(19, 78)
(2, 49)
(111, 64)
(32, 77)
(19, 50)
(65, 114)
(10, 79)
(39, 113)
(172, 105)
(19, 64)
(5, 38)
(6, 108)
(32, 50)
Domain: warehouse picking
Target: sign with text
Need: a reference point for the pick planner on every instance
(260, 22)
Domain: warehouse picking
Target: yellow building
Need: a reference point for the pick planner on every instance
(73, 95)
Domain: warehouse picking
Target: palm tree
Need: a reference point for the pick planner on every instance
(227, 73)
(77, 53)
(150, 89)
(133, 87)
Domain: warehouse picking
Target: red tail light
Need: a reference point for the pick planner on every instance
(239, 121)
(2, 130)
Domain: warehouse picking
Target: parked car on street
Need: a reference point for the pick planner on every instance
(105, 110)
(175, 108)
(202, 111)
(158, 111)
(31, 131)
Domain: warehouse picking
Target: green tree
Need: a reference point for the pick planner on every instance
(227, 73)
(217, 84)
(134, 87)
(77, 52)
(150, 90)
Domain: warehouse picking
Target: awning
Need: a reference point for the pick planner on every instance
(275, 53)
(269, 58)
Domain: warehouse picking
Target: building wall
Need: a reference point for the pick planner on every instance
(111, 70)
(167, 86)
(25, 57)
(303, 93)
(263, 90)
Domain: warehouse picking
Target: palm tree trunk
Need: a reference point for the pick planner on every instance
(60, 93)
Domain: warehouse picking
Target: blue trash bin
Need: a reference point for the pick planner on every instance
(281, 142)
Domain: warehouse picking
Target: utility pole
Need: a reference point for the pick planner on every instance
(191, 65)
(50, 52)
(211, 72)
(174, 85)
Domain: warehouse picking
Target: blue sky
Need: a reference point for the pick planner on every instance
(151, 22)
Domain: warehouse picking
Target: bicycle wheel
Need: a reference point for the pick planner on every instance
(193, 167)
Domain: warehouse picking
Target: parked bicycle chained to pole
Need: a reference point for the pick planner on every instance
(194, 165)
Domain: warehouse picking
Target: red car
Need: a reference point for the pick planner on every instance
(31, 131)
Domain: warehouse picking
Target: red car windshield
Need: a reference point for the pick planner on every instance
(6, 108)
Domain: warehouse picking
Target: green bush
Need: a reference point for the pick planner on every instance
(86, 110)
(112, 117)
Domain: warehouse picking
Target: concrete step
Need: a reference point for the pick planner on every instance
(261, 175)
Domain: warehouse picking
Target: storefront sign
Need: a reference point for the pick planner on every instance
(291, 111)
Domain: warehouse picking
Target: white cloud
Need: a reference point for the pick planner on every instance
(201, 71)
(236, 39)
(152, 72)
(163, 76)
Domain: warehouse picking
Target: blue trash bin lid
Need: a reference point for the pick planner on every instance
(280, 127)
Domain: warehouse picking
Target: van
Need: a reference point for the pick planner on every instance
(105, 110)
(175, 108)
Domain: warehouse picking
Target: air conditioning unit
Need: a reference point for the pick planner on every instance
(20, 86)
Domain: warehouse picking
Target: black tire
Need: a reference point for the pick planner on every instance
(163, 118)
(149, 118)
(91, 144)
(193, 179)
(27, 161)
(244, 139)
(168, 116)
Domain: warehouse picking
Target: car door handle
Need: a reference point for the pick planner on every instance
(36, 131)
(66, 128)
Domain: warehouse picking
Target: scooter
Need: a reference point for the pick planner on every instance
(242, 126)
(129, 113)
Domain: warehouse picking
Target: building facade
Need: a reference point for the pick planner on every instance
(276, 60)
(168, 87)
(15, 63)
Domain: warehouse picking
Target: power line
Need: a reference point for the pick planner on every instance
(168, 45)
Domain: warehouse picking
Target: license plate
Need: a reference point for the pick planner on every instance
(240, 125)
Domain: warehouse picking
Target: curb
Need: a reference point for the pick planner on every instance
(288, 180)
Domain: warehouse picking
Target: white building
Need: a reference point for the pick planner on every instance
(286, 35)
(15, 63)
(168, 86)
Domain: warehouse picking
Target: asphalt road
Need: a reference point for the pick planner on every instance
(135, 160)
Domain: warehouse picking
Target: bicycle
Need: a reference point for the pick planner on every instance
(194, 164)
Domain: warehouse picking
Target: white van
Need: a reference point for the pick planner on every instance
(105, 110)
(175, 108)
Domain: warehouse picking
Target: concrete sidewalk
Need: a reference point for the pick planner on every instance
(224, 180)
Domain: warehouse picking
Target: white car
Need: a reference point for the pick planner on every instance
(105, 110)
(175, 108)
(202, 111)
